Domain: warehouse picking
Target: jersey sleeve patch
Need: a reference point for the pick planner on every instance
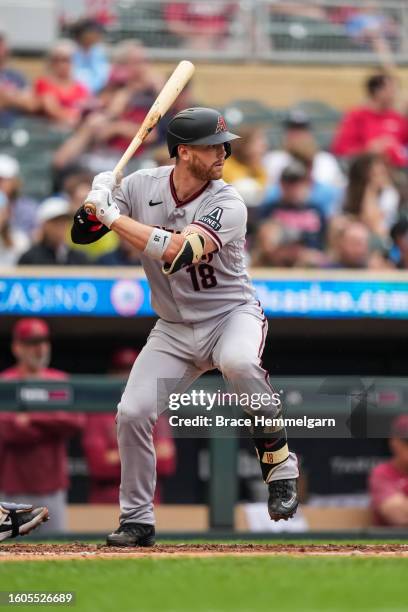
(213, 219)
(224, 219)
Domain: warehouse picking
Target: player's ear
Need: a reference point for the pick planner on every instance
(183, 152)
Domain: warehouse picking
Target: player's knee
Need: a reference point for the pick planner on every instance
(236, 366)
(138, 409)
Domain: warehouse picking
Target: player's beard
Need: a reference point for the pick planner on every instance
(202, 172)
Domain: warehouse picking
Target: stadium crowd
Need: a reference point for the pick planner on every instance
(345, 207)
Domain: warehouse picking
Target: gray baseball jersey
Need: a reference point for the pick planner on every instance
(221, 280)
(209, 317)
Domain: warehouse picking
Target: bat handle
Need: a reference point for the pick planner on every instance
(89, 208)
(117, 171)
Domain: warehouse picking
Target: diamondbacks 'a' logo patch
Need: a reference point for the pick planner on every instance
(213, 219)
(216, 214)
(221, 125)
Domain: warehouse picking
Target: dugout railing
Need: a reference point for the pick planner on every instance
(361, 408)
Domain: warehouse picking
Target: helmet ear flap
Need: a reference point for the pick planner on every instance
(227, 147)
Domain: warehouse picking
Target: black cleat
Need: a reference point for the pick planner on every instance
(283, 499)
(132, 534)
(20, 519)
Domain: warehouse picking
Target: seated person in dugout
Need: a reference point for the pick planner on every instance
(388, 482)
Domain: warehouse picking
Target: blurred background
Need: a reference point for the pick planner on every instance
(319, 93)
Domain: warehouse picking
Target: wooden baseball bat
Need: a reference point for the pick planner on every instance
(171, 89)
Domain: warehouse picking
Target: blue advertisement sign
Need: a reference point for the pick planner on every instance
(70, 296)
(129, 297)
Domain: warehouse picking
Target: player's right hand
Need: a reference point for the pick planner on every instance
(108, 180)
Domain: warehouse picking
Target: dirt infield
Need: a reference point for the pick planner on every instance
(78, 550)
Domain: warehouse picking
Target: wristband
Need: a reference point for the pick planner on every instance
(158, 242)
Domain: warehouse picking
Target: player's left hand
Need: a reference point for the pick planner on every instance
(106, 209)
(108, 180)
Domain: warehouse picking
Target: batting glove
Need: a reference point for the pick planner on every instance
(106, 179)
(107, 211)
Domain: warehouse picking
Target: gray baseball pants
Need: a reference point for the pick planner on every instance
(233, 343)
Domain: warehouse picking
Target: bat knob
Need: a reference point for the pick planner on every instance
(89, 208)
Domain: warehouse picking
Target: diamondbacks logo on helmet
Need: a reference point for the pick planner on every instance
(221, 125)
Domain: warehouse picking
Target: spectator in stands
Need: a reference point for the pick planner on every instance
(371, 198)
(293, 233)
(388, 481)
(375, 127)
(90, 61)
(351, 249)
(32, 444)
(52, 249)
(368, 27)
(298, 138)
(110, 132)
(325, 195)
(141, 85)
(371, 193)
(23, 210)
(15, 94)
(61, 98)
(74, 188)
(200, 25)
(12, 242)
(399, 234)
(101, 449)
(245, 169)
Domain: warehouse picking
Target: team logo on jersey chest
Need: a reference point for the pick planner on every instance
(213, 219)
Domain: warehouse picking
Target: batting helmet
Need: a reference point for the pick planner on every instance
(198, 126)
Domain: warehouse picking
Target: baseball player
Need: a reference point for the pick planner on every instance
(19, 519)
(189, 226)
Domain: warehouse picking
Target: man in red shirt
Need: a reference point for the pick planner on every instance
(32, 444)
(60, 97)
(376, 126)
(101, 446)
(388, 482)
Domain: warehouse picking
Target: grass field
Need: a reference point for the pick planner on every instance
(243, 583)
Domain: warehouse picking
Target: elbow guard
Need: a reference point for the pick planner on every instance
(189, 254)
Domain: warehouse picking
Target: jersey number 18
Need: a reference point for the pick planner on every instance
(202, 274)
